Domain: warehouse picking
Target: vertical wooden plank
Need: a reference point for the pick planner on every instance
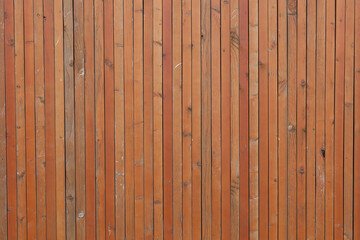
(157, 118)
(235, 122)
(99, 119)
(3, 190)
(206, 108)
(89, 85)
(291, 138)
(186, 118)
(109, 119)
(310, 120)
(49, 118)
(357, 124)
(59, 120)
(177, 119)
(215, 87)
(79, 85)
(301, 120)
(339, 120)
(10, 120)
(196, 118)
(138, 119)
(254, 119)
(20, 119)
(167, 119)
(30, 118)
(244, 120)
(263, 121)
(40, 119)
(148, 122)
(69, 119)
(273, 129)
(329, 122)
(129, 119)
(282, 119)
(349, 121)
(225, 119)
(119, 118)
(320, 120)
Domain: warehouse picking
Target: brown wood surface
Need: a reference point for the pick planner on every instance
(179, 119)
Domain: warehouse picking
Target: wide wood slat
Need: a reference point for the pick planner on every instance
(180, 119)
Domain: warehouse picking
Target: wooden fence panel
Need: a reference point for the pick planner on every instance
(179, 119)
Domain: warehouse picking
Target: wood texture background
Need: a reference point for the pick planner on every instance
(180, 119)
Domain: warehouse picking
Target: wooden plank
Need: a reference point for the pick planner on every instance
(357, 124)
(30, 119)
(282, 119)
(157, 118)
(320, 120)
(301, 120)
(50, 157)
(129, 118)
(339, 120)
(291, 138)
(177, 119)
(109, 119)
(89, 120)
(273, 129)
(167, 119)
(59, 120)
(310, 120)
(196, 118)
(186, 118)
(148, 122)
(244, 120)
(206, 138)
(263, 122)
(253, 120)
(349, 121)
(235, 122)
(225, 120)
(215, 87)
(119, 119)
(138, 119)
(40, 119)
(20, 119)
(99, 120)
(329, 122)
(3, 190)
(10, 120)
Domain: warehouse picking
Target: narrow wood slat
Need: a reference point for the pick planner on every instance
(186, 118)
(89, 120)
(301, 120)
(148, 122)
(119, 119)
(3, 190)
(339, 120)
(215, 87)
(329, 122)
(109, 119)
(196, 118)
(253, 120)
(310, 120)
(99, 119)
(129, 118)
(29, 67)
(157, 118)
(235, 122)
(244, 120)
(226, 185)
